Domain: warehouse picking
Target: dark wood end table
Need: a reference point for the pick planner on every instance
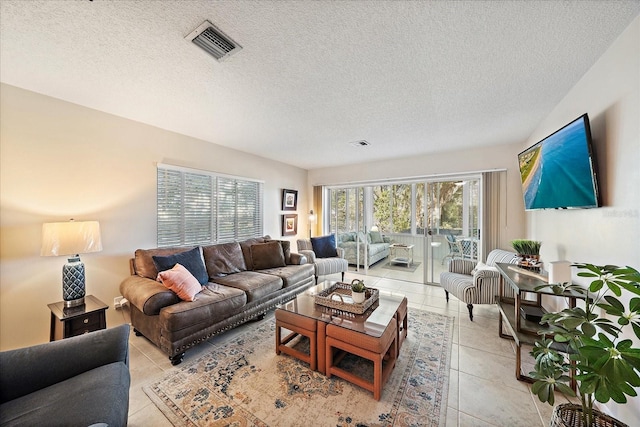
(71, 321)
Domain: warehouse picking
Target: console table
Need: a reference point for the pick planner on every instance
(519, 329)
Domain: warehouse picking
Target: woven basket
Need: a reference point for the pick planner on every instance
(570, 415)
(343, 291)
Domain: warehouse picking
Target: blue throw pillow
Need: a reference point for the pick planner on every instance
(191, 260)
(324, 247)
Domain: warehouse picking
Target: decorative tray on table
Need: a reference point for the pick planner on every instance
(338, 296)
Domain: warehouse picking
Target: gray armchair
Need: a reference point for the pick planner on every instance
(323, 266)
(476, 283)
(78, 381)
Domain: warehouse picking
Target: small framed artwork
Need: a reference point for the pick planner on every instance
(289, 200)
(289, 225)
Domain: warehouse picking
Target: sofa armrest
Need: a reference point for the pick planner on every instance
(29, 369)
(311, 256)
(340, 252)
(461, 266)
(149, 296)
(298, 259)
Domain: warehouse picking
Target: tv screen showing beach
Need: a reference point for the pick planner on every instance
(557, 172)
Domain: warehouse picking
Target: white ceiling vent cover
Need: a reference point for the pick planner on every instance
(213, 41)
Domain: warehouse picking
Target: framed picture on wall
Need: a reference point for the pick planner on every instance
(289, 225)
(289, 200)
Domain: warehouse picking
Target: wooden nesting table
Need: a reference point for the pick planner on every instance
(376, 334)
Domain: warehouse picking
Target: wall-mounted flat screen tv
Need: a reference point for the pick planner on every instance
(558, 172)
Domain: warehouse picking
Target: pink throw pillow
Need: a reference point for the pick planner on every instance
(180, 281)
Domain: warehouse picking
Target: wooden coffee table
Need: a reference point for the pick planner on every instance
(374, 324)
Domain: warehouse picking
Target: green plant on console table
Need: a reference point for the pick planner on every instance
(526, 247)
(357, 285)
(605, 366)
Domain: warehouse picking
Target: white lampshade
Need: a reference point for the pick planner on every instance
(70, 238)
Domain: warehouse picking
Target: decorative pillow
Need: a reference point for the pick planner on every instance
(482, 266)
(286, 249)
(191, 260)
(347, 237)
(223, 259)
(325, 246)
(267, 255)
(376, 237)
(180, 281)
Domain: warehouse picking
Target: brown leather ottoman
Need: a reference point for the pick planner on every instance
(365, 346)
(298, 325)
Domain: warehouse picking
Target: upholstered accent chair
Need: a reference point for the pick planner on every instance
(323, 266)
(476, 283)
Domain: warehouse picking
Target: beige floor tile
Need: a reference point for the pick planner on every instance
(484, 339)
(493, 403)
(455, 355)
(495, 368)
(466, 420)
(148, 416)
(452, 417)
(454, 390)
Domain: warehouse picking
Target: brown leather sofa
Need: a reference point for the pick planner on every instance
(246, 279)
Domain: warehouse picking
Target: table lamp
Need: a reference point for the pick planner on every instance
(71, 238)
(312, 219)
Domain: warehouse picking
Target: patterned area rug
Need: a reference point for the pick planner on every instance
(244, 383)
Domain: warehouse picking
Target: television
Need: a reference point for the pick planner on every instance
(558, 172)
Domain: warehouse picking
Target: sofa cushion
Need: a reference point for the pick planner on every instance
(348, 237)
(292, 275)
(143, 260)
(325, 246)
(78, 401)
(191, 260)
(223, 259)
(180, 281)
(256, 285)
(267, 255)
(214, 304)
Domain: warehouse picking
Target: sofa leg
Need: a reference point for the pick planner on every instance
(316, 279)
(470, 307)
(342, 277)
(177, 359)
(137, 332)
(446, 294)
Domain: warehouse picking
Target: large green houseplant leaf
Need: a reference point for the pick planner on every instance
(605, 365)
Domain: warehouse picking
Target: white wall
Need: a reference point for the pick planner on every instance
(448, 162)
(58, 161)
(610, 93)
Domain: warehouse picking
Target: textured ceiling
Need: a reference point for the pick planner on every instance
(409, 77)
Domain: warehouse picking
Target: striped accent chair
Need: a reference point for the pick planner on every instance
(476, 283)
(323, 266)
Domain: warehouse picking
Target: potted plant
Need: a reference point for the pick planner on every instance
(358, 290)
(605, 365)
(527, 248)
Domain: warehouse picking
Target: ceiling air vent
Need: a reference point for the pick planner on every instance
(361, 143)
(213, 41)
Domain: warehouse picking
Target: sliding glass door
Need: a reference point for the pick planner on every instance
(436, 219)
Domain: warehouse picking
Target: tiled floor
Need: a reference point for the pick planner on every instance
(483, 390)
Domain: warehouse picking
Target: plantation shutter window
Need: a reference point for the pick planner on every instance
(198, 207)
